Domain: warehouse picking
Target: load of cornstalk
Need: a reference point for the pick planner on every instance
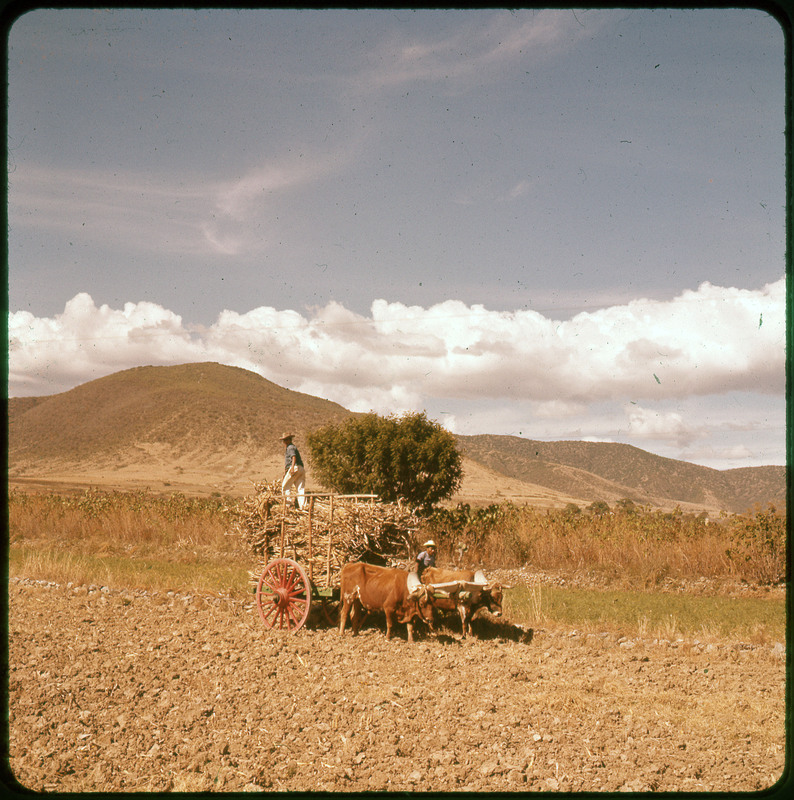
(330, 530)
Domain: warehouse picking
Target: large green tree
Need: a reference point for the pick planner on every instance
(409, 457)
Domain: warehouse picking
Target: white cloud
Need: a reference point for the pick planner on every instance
(226, 217)
(646, 423)
(515, 372)
(734, 453)
(703, 342)
(508, 36)
(86, 342)
(558, 409)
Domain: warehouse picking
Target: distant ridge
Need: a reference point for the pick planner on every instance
(612, 471)
(203, 427)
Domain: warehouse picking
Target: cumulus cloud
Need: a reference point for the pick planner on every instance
(685, 377)
(86, 342)
(558, 409)
(734, 453)
(647, 423)
(712, 340)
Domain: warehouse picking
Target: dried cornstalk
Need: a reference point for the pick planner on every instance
(359, 526)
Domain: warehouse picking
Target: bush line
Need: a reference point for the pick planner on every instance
(647, 545)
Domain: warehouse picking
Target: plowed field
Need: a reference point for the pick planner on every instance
(139, 691)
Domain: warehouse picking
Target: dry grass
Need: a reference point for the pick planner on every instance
(171, 542)
(120, 521)
(642, 545)
(127, 539)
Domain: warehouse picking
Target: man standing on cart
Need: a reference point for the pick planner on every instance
(294, 473)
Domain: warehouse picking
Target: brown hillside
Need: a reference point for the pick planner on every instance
(191, 424)
(208, 427)
(483, 486)
(19, 405)
(758, 485)
(193, 405)
(611, 471)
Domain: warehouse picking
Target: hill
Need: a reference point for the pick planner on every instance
(192, 426)
(209, 427)
(611, 471)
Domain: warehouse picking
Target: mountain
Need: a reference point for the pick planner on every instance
(193, 425)
(209, 427)
(611, 471)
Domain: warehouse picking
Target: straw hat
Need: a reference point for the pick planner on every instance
(285, 436)
(429, 543)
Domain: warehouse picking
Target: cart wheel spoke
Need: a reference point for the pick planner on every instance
(290, 582)
(294, 613)
(269, 615)
(296, 582)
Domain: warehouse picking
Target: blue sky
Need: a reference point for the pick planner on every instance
(553, 224)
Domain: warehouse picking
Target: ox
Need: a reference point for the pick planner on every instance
(366, 587)
(465, 590)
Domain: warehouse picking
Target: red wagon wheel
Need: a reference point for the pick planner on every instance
(283, 595)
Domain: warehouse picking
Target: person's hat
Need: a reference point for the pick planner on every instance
(286, 436)
(429, 543)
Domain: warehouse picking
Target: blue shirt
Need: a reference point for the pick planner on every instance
(423, 561)
(288, 454)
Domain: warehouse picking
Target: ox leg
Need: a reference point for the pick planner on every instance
(390, 617)
(432, 623)
(343, 615)
(469, 616)
(462, 610)
(358, 616)
(347, 603)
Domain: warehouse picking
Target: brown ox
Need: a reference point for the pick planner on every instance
(466, 600)
(366, 587)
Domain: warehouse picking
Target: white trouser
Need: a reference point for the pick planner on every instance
(295, 480)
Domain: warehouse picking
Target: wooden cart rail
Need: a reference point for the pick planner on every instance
(309, 510)
(301, 551)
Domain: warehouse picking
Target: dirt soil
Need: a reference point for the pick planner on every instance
(142, 691)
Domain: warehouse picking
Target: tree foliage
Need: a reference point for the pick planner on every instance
(410, 458)
(598, 508)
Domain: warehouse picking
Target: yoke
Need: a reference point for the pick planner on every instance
(445, 590)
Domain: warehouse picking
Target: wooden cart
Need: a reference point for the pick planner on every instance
(302, 551)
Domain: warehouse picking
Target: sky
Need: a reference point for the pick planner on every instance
(554, 224)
